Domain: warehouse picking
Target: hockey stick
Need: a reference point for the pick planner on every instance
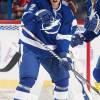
(60, 59)
(85, 80)
(12, 62)
(85, 92)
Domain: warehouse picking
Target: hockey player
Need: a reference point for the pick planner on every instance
(53, 23)
(92, 31)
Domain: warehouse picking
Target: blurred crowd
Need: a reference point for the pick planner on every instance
(17, 9)
(3, 9)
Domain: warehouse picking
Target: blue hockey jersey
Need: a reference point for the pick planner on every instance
(91, 34)
(97, 7)
(57, 36)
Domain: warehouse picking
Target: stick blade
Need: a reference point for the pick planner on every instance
(12, 62)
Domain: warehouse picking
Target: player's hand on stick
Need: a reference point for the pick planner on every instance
(77, 39)
(66, 62)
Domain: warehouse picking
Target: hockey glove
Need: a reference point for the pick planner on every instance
(44, 16)
(92, 28)
(77, 39)
(66, 61)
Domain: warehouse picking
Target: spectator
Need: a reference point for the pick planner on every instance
(17, 10)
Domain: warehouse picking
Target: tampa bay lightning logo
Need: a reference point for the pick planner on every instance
(53, 26)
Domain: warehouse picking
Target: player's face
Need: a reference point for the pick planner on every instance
(55, 2)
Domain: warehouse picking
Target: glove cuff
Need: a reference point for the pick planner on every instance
(89, 35)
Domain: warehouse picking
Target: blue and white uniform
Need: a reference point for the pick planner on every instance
(92, 31)
(97, 8)
(96, 72)
(90, 34)
(56, 35)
